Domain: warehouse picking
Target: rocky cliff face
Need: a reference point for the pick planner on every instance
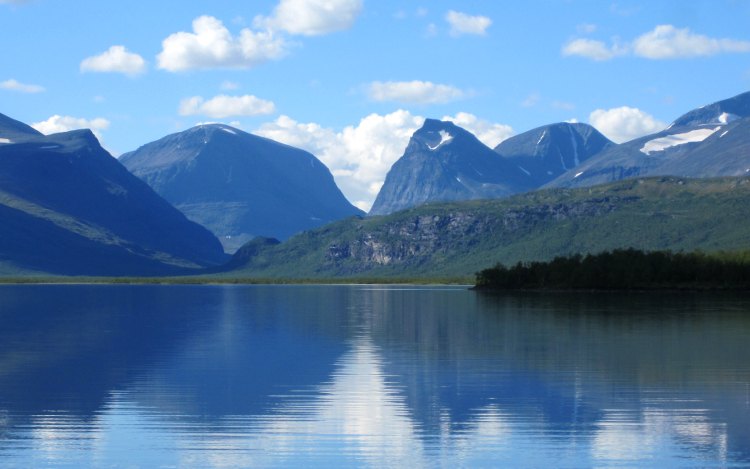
(411, 239)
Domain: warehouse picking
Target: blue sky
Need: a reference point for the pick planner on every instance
(350, 80)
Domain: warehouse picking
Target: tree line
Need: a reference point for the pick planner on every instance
(624, 269)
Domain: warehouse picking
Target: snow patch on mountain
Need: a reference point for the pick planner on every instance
(662, 143)
(544, 134)
(445, 138)
(5, 140)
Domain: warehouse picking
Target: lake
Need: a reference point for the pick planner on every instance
(382, 376)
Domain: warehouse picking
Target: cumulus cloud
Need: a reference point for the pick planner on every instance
(58, 123)
(211, 45)
(223, 106)
(663, 42)
(15, 85)
(311, 17)
(668, 42)
(489, 133)
(116, 59)
(414, 92)
(624, 123)
(592, 49)
(461, 23)
(360, 156)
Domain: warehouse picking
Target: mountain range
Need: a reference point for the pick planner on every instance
(710, 141)
(68, 207)
(240, 185)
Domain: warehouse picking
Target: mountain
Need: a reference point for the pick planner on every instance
(711, 141)
(454, 240)
(69, 207)
(12, 130)
(547, 152)
(240, 185)
(444, 162)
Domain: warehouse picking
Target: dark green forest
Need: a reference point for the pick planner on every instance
(624, 269)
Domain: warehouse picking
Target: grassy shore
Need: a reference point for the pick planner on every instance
(199, 280)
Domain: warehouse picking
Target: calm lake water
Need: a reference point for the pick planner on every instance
(268, 376)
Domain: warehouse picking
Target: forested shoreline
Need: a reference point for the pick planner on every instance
(624, 269)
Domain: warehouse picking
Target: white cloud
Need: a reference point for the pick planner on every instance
(624, 123)
(461, 23)
(360, 156)
(489, 133)
(223, 106)
(211, 45)
(592, 49)
(116, 59)
(668, 42)
(415, 92)
(664, 42)
(57, 123)
(311, 17)
(14, 85)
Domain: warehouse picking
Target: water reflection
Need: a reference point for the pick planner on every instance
(321, 376)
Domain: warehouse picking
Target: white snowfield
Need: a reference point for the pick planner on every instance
(445, 137)
(228, 130)
(5, 140)
(662, 143)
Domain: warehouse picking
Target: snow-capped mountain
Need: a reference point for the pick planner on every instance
(445, 162)
(547, 152)
(240, 185)
(68, 207)
(710, 141)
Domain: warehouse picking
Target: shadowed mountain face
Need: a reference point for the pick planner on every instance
(240, 185)
(444, 162)
(68, 207)
(547, 152)
(711, 141)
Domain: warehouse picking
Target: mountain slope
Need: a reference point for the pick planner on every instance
(240, 185)
(70, 208)
(549, 151)
(444, 162)
(12, 130)
(459, 238)
(707, 142)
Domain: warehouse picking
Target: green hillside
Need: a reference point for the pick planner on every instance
(459, 239)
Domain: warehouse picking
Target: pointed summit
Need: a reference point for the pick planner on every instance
(445, 162)
(547, 152)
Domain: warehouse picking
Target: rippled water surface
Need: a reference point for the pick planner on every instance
(268, 376)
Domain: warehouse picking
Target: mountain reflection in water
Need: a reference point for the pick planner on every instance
(238, 376)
